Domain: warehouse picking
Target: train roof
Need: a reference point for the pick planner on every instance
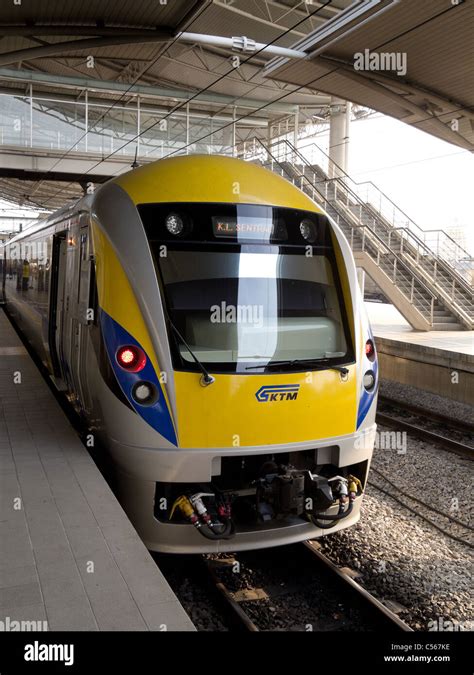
(67, 211)
(211, 179)
(192, 178)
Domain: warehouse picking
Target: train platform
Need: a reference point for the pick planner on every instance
(440, 362)
(389, 324)
(70, 558)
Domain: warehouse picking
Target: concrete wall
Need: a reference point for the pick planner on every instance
(440, 372)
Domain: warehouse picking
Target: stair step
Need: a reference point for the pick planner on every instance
(447, 326)
(338, 203)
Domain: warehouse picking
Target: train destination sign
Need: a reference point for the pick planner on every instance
(229, 226)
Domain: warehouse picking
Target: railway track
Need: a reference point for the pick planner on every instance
(440, 430)
(459, 531)
(424, 412)
(252, 609)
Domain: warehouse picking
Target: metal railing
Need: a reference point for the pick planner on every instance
(393, 269)
(419, 254)
(447, 283)
(399, 269)
(367, 194)
(40, 122)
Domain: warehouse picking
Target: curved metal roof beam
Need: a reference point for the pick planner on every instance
(410, 87)
(72, 30)
(28, 76)
(238, 44)
(79, 45)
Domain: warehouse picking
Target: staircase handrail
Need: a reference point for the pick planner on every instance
(467, 287)
(419, 242)
(458, 309)
(362, 227)
(376, 188)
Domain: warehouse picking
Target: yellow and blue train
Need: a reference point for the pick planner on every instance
(203, 316)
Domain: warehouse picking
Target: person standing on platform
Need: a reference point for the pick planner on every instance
(25, 275)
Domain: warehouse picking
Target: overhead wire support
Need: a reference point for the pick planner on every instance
(196, 95)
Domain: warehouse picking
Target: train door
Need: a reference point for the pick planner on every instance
(56, 303)
(69, 299)
(3, 272)
(70, 323)
(64, 304)
(81, 334)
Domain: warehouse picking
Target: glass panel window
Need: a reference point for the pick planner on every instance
(243, 287)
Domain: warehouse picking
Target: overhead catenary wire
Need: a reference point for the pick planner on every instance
(303, 86)
(168, 44)
(199, 93)
(419, 501)
(419, 515)
(415, 161)
(245, 116)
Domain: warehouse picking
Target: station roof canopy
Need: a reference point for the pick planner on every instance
(136, 42)
(429, 47)
(137, 49)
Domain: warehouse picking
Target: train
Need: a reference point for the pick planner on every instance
(203, 317)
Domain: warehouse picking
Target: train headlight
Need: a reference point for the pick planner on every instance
(174, 224)
(370, 350)
(308, 230)
(131, 358)
(369, 380)
(144, 393)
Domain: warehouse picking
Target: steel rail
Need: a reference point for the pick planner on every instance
(366, 598)
(363, 593)
(424, 412)
(446, 443)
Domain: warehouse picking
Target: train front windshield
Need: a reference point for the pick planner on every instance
(247, 286)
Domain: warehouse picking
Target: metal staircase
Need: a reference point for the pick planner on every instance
(424, 274)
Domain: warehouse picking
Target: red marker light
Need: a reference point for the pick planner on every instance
(131, 358)
(127, 357)
(369, 349)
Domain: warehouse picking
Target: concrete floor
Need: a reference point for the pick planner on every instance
(387, 322)
(69, 555)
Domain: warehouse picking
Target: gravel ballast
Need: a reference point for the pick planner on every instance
(400, 557)
(425, 399)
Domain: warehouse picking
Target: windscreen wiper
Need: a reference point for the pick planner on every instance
(320, 365)
(206, 378)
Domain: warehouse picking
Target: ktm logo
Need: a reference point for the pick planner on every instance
(277, 392)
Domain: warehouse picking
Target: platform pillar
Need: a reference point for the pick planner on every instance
(338, 136)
